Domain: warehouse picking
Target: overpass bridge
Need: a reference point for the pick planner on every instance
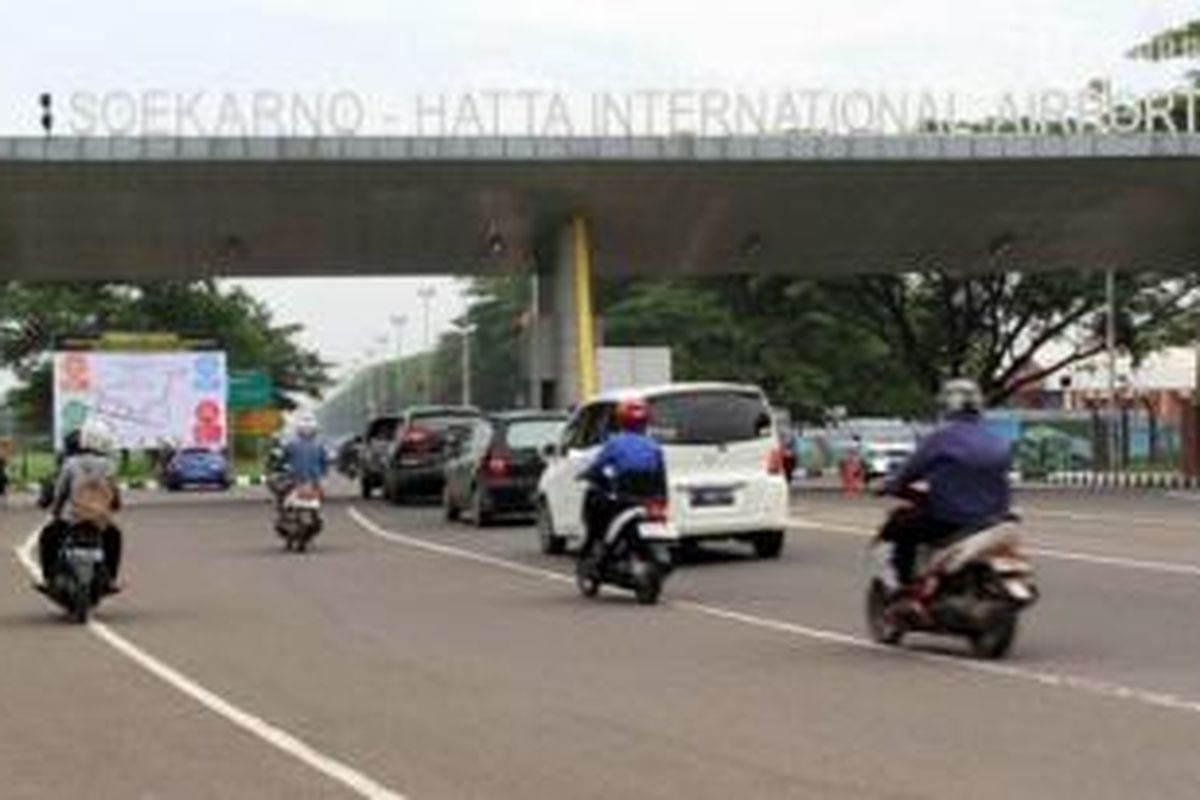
(570, 209)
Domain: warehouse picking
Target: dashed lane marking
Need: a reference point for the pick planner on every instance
(354, 780)
(1090, 686)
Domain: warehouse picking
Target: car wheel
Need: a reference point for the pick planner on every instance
(391, 490)
(449, 509)
(551, 543)
(768, 544)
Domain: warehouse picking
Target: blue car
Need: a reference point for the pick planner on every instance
(196, 467)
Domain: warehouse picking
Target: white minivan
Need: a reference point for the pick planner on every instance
(724, 465)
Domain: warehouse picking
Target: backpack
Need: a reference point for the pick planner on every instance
(92, 497)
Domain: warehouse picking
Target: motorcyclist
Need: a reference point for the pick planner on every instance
(303, 459)
(966, 468)
(85, 491)
(629, 467)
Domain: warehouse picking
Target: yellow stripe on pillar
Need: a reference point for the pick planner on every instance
(581, 252)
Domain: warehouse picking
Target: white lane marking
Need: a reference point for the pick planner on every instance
(368, 524)
(1085, 685)
(278, 738)
(1146, 565)
(1075, 516)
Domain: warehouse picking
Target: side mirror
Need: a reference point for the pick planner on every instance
(550, 450)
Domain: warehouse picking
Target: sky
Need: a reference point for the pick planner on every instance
(392, 52)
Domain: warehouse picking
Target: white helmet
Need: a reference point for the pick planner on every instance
(97, 436)
(307, 425)
(960, 395)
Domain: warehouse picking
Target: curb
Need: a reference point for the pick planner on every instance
(1165, 481)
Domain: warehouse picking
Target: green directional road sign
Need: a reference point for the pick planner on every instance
(250, 389)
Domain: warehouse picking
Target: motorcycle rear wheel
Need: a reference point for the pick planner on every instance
(997, 640)
(649, 585)
(80, 603)
(587, 574)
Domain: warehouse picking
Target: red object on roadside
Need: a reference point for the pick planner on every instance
(851, 471)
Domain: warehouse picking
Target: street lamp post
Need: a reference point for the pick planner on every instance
(427, 293)
(1110, 343)
(466, 330)
(399, 321)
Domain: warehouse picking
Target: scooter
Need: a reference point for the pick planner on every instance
(81, 579)
(299, 519)
(634, 554)
(975, 584)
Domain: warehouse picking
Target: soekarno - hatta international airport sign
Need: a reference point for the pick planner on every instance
(148, 399)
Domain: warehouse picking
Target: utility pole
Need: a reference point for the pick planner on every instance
(1110, 336)
(466, 364)
(399, 321)
(535, 365)
(1194, 466)
(426, 293)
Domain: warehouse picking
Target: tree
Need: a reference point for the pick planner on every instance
(776, 332)
(1012, 330)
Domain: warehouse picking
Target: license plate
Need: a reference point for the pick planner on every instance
(709, 498)
(656, 530)
(87, 556)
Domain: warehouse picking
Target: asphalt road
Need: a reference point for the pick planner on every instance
(408, 658)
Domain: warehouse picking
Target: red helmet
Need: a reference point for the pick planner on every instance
(633, 415)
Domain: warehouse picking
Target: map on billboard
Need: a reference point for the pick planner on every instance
(148, 399)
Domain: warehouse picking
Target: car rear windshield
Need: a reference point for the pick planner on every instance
(709, 417)
(533, 434)
(442, 421)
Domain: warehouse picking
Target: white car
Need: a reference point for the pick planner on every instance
(724, 465)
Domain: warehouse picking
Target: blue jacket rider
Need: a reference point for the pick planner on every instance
(304, 457)
(967, 469)
(629, 465)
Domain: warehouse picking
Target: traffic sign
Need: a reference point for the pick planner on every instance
(250, 389)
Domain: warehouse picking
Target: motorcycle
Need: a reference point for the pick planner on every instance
(81, 579)
(299, 517)
(634, 553)
(975, 584)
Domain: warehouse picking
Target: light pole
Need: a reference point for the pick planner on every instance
(398, 323)
(466, 330)
(1110, 343)
(535, 350)
(427, 293)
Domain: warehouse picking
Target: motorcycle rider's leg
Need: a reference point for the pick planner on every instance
(111, 542)
(898, 548)
(597, 516)
(49, 544)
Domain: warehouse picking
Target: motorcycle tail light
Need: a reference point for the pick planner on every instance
(656, 510)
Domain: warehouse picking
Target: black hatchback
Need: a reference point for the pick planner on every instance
(494, 469)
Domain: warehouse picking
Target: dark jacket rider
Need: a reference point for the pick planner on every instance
(967, 469)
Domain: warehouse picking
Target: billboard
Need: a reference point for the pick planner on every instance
(147, 398)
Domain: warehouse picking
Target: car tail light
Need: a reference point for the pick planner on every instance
(415, 438)
(775, 461)
(495, 465)
(656, 510)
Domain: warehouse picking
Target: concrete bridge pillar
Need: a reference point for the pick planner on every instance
(565, 350)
